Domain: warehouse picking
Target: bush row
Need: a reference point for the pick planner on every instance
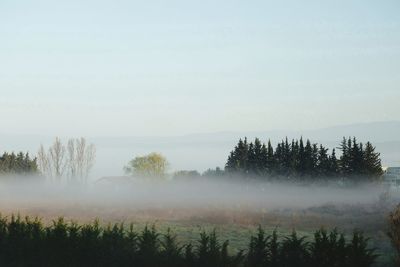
(27, 242)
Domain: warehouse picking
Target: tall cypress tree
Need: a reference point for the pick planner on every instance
(231, 163)
(356, 162)
(278, 159)
(373, 166)
(271, 158)
(333, 164)
(309, 161)
(241, 156)
(251, 165)
(302, 158)
(287, 157)
(294, 156)
(258, 167)
(345, 158)
(264, 160)
(323, 162)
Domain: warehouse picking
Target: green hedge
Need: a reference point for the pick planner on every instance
(27, 242)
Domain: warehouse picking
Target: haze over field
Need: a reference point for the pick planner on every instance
(224, 200)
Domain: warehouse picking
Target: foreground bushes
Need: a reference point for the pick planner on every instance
(27, 242)
(394, 231)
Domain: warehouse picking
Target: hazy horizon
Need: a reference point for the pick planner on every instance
(103, 68)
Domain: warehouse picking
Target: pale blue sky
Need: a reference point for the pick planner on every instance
(176, 67)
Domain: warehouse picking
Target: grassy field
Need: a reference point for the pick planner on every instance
(235, 225)
(234, 216)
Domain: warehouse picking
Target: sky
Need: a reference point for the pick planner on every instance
(155, 68)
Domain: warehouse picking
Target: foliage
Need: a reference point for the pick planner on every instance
(27, 242)
(186, 174)
(11, 163)
(304, 159)
(217, 172)
(394, 230)
(153, 165)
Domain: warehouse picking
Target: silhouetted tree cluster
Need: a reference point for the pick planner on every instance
(304, 159)
(11, 163)
(26, 242)
(328, 249)
(217, 172)
(186, 174)
(193, 174)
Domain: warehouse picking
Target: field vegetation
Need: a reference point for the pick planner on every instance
(26, 242)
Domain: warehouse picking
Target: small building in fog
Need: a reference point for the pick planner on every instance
(391, 176)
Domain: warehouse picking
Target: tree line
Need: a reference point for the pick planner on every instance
(27, 242)
(299, 158)
(20, 163)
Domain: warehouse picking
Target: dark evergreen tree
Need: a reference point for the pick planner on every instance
(333, 164)
(287, 157)
(345, 158)
(270, 166)
(357, 157)
(264, 160)
(20, 164)
(258, 157)
(301, 168)
(323, 162)
(251, 162)
(294, 157)
(373, 166)
(308, 159)
(279, 159)
(296, 160)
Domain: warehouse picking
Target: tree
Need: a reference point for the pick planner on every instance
(57, 159)
(251, 165)
(270, 164)
(258, 156)
(323, 163)
(72, 163)
(20, 164)
(301, 168)
(217, 172)
(394, 231)
(186, 174)
(357, 158)
(81, 158)
(304, 159)
(372, 161)
(333, 164)
(153, 165)
(345, 158)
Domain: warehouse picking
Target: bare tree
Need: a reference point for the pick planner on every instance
(57, 159)
(71, 159)
(84, 158)
(73, 162)
(43, 162)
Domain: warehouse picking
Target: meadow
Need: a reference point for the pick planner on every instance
(233, 210)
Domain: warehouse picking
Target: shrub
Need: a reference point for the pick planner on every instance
(26, 242)
(394, 230)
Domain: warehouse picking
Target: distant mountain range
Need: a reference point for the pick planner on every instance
(208, 150)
